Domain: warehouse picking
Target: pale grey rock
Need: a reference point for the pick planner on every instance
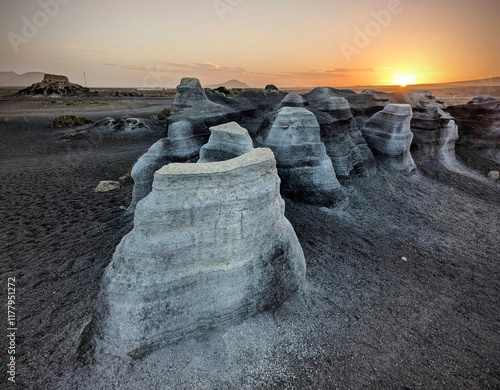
(210, 247)
(482, 99)
(293, 100)
(181, 145)
(108, 185)
(227, 141)
(431, 124)
(344, 143)
(122, 124)
(494, 175)
(305, 169)
(389, 136)
(448, 137)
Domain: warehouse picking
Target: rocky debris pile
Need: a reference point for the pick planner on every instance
(55, 84)
(306, 171)
(210, 247)
(70, 121)
(162, 115)
(389, 135)
(344, 143)
(479, 126)
(227, 141)
(122, 124)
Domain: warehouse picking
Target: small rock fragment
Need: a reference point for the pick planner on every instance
(108, 185)
(494, 175)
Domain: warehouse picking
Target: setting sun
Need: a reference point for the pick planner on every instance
(404, 79)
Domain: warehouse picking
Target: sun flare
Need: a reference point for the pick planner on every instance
(404, 79)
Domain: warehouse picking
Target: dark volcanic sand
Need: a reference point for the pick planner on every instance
(364, 319)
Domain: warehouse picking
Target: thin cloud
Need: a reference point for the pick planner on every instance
(83, 48)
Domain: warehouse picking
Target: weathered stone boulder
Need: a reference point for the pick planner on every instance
(192, 98)
(181, 145)
(122, 124)
(210, 247)
(306, 171)
(344, 143)
(227, 141)
(479, 126)
(293, 100)
(389, 136)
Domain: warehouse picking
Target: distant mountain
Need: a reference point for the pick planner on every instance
(11, 79)
(230, 84)
(5, 76)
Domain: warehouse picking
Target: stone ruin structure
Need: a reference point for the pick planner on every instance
(55, 84)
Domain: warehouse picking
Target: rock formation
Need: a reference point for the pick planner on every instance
(479, 126)
(227, 141)
(210, 247)
(306, 171)
(389, 136)
(362, 105)
(191, 97)
(181, 145)
(293, 100)
(344, 143)
(55, 84)
(433, 128)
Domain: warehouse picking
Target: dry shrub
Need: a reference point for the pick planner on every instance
(70, 120)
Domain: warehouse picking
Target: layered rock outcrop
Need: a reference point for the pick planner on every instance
(306, 171)
(433, 128)
(479, 126)
(389, 136)
(210, 247)
(55, 84)
(227, 141)
(181, 145)
(344, 143)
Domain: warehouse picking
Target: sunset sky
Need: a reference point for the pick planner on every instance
(285, 42)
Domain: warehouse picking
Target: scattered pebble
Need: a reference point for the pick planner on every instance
(494, 175)
(404, 258)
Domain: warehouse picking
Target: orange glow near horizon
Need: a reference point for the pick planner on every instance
(343, 44)
(404, 79)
